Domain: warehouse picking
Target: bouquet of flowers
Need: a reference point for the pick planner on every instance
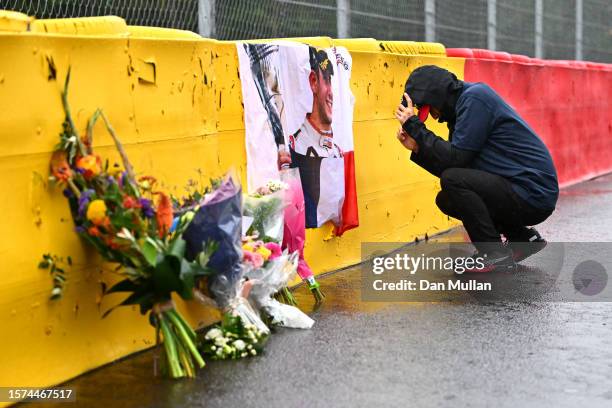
(294, 235)
(265, 210)
(269, 279)
(265, 207)
(232, 339)
(218, 218)
(128, 222)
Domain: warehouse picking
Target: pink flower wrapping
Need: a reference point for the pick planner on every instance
(294, 233)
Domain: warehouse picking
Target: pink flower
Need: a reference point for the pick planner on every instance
(253, 258)
(275, 249)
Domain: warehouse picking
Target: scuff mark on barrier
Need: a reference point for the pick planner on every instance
(52, 74)
(130, 67)
(201, 67)
(147, 72)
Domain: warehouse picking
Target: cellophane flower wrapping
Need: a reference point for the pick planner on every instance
(219, 219)
(294, 232)
(267, 212)
(269, 279)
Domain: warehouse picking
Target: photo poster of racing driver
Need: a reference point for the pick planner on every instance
(298, 112)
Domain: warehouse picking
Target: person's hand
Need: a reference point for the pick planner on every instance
(407, 141)
(284, 158)
(403, 113)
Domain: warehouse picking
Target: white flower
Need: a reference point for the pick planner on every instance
(213, 334)
(125, 234)
(219, 352)
(213, 348)
(275, 185)
(220, 341)
(244, 354)
(249, 347)
(227, 349)
(239, 344)
(253, 352)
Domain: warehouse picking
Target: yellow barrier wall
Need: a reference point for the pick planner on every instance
(176, 104)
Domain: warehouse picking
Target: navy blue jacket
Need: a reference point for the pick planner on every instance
(487, 134)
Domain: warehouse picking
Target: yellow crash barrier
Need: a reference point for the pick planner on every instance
(177, 107)
(98, 26)
(13, 21)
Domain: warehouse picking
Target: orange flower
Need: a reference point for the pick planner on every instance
(59, 166)
(94, 231)
(106, 224)
(130, 202)
(164, 214)
(90, 164)
(110, 242)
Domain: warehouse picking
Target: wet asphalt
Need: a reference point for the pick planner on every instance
(526, 350)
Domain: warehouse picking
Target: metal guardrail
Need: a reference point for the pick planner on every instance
(553, 29)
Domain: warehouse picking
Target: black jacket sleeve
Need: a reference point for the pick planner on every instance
(435, 154)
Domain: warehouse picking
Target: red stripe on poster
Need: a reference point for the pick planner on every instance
(350, 212)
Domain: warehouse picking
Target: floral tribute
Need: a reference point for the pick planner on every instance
(127, 220)
(196, 248)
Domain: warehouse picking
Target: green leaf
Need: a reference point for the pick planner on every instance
(125, 285)
(177, 247)
(143, 298)
(121, 219)
(146, 305)
(149, 251)
(166, 276)
(187, 275)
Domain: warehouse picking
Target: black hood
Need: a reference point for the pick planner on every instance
(437, 87)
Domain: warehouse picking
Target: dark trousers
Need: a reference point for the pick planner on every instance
(487, 206)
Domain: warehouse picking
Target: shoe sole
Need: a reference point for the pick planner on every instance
(522, 255)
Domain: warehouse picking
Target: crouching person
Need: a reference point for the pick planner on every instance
(496, 175)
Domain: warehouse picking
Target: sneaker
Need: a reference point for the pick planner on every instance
(531, 244)
(493, 261)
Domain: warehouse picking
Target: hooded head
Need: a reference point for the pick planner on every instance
(436, 87)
